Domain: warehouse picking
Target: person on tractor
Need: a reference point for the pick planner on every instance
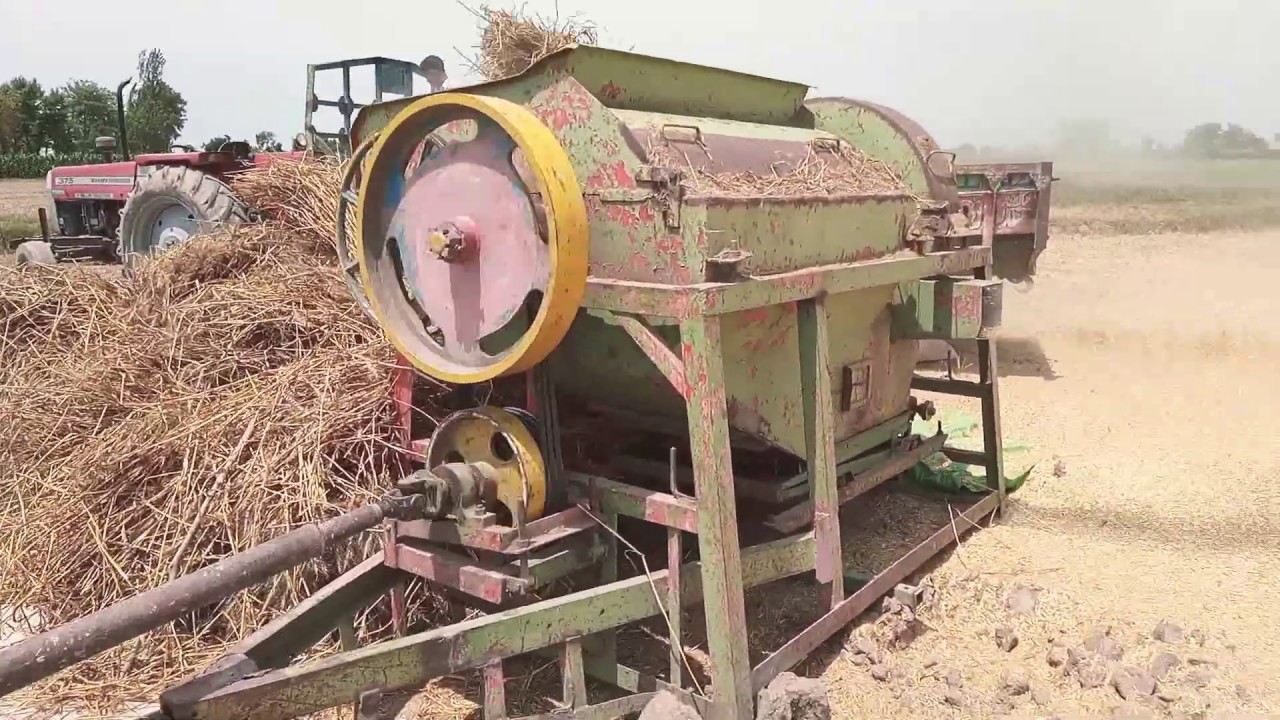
(432, 68)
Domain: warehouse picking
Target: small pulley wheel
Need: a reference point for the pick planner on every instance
(474, 262)
(501, 440)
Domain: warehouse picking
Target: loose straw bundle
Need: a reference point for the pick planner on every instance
(228, 392)
(838, 169)
(511, 41)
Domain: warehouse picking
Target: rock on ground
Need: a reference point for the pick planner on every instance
(1133, 683)
(1023, 600)
(1006, 638)
(790, 697)
(1162, 664)
(666, 706)
(1167, 632)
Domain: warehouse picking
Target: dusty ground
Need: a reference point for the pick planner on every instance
(1151, 382)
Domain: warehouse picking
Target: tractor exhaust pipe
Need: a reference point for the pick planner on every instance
(124, 134)
(45, 654)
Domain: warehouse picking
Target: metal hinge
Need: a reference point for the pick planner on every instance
(667, 190)
(932, 220)
(727, 265)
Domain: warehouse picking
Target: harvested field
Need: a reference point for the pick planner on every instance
(1145, 385)
(223, 394)
(19, 200)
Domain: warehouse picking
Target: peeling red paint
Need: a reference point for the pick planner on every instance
(568, 103)
(670, 244)
(773, 334)
(700, 241)
(624, 215)
(611, 91)
(611, 175)
(621, 176)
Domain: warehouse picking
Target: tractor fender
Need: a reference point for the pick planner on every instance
(208, 200)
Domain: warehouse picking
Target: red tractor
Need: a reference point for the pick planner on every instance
(132, 206)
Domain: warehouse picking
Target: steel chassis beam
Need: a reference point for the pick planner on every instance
(412, 661)
(691, 301)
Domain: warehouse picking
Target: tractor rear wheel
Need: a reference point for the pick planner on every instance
(34, 252)
(171, 204)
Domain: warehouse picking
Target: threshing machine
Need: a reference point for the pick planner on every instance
(131, 206)
(679, 304)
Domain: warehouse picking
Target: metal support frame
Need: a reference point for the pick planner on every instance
(579, 628)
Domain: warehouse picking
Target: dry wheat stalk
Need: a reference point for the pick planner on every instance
(125, 404)
(512, 40)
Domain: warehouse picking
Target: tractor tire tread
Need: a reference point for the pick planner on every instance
(210, 197)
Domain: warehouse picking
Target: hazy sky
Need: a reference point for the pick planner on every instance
(985, 71)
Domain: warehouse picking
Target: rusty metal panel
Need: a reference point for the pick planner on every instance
(965, 308)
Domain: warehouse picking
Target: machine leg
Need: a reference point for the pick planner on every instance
(572, 675)
(992, 437)
(602, 648)
(989, 377)
(399, 622)
(819, 423)
(675, 607)
(723, 602)
(675, 604)
(495, 692)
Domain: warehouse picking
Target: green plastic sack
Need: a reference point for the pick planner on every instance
(937, 472)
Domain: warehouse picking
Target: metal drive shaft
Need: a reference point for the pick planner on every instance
(45, 654)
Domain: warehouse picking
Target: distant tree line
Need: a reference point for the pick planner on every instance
(1215, 140)
(1093, 138)
(41, 129)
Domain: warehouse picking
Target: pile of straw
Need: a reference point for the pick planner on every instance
(226, 393)
(511, 41)
(823, 171)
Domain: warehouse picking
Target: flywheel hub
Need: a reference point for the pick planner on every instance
(501, 443)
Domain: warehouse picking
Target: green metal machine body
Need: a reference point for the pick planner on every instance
(676, 164)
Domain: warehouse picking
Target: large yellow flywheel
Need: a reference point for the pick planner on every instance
(474, 262)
